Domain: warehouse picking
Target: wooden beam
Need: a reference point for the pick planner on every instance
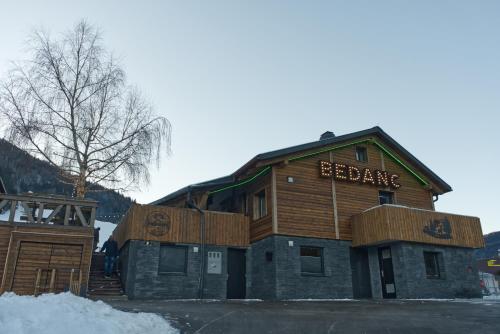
(66, 214)
(274, 200)
(53, 213)
(40, 213)
(12, 214)
(334, 203)
(3, 203)
(37, 281)
(92, 217)
(83, 221)
(52, 280)
(27, 209)
(48, 199)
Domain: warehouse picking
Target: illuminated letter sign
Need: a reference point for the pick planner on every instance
(343, 172)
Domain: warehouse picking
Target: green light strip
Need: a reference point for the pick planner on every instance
(371, 140)
(266, 169)
(327, 150)
(386, 151)
(374, 142)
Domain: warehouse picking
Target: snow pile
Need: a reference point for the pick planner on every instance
(66, 313)
(105, 231)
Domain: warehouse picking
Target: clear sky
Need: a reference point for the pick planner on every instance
(238, 78)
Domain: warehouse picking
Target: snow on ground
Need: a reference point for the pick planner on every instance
(66, 313)
(106, 230)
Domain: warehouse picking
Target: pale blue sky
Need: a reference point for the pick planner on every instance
(240, 78)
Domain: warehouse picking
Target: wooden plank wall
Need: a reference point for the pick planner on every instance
(388, 223)
(47, 247)
(5, 231)
(305, 207)
(182, 225)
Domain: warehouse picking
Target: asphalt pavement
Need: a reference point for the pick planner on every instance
(312, 317)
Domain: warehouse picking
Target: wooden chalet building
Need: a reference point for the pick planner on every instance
(348, 216)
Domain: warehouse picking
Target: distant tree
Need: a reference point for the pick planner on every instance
(70, 105)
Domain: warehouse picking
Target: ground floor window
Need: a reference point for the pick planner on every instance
(433, 264)
(311, 260)
(173, 259)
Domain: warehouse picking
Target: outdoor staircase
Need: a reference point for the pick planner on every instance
(98, 284)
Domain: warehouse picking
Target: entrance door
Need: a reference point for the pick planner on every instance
(361, 285)
(386, 272)
(236, 269)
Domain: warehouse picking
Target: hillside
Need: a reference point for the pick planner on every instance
(21, 172)
(492, 241)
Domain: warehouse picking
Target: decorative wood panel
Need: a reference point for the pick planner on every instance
(390, 223)
(181, 225)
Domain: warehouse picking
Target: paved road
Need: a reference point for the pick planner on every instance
(314, 317)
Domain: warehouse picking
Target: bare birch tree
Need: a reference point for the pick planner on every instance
(70, 105)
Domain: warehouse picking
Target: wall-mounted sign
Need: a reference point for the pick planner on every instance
(157, 223)
(438, 228)
(343, 172)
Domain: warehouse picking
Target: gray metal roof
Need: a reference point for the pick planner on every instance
(312, 145)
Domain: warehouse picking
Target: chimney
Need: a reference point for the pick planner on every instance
(327, 135)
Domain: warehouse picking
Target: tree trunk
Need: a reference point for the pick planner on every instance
(80, 186)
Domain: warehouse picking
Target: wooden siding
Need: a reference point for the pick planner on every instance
(30, 247)
(262, 227)
(306, 207)
(390, 223)
(181, 225)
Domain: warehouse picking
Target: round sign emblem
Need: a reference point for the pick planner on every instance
(157, 223)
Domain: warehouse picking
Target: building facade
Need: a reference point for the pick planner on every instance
(344, 217)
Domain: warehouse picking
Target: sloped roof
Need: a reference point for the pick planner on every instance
(226, 180)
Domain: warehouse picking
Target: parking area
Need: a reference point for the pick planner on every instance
(367, 316)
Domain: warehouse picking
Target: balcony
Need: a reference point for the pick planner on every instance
(388, 223)
(47, 210)
(182, 225)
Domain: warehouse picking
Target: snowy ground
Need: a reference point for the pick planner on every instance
(66, 313)
(105, 232)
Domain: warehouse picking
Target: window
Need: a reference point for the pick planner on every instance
(432, 264)
(385, 197)
(243, 204)
(173, 259)
(361, 154)
(311, 260)
(259, 204)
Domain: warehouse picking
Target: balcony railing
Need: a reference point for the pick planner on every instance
(44, 209)
(388, 223)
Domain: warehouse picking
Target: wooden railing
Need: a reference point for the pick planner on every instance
(182, 225)
(74, 286)
(59, 210)
(387, 223)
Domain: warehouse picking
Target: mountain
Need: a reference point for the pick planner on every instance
(491, 248)
(21, 172)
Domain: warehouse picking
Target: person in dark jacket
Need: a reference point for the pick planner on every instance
(111, 248)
